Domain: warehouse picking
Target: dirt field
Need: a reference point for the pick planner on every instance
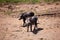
(11, 29)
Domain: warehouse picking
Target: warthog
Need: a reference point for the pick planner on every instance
(25, 15)
(31, 21)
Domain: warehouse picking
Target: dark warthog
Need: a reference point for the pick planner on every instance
(31, 21)
(26, 15)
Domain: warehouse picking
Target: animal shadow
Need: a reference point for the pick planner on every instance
(35, 31)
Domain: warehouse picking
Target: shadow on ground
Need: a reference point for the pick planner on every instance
(35, 31)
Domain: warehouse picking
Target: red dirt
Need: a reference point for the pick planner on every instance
(10, 27)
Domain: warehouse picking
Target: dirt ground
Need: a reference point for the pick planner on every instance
(11, 29)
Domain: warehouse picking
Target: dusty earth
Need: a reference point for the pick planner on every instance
(11, 29)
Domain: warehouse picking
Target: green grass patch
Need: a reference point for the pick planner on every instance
(35, 1)
(20, 1)
(48, 0)
(26, 1)
(56, 0)
(51, 0)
